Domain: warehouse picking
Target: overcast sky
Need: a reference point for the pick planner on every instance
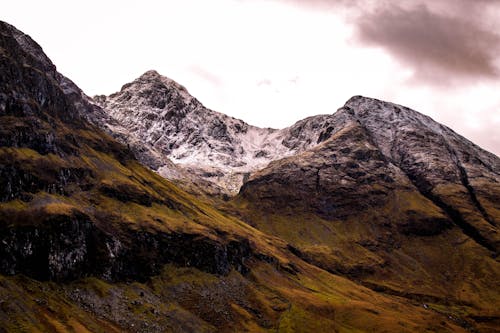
(273, 62)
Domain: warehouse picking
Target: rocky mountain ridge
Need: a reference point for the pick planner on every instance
(165, 123)
(390, 193)
(376, 144)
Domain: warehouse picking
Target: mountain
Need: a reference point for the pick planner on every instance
(375, 192)
(163, 123)
(93, 241)
(391, 199)
(75, 203)
(377, 148)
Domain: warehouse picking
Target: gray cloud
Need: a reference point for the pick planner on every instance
(442, 41)
(439, 48)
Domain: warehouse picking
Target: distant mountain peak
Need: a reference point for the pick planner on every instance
(369, 107)
(152, 81)
(150, 73)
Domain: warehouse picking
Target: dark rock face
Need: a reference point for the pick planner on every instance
(57, 248)
(16, 182)
(40, 109)
(67, 247)
(30, 83)
(331, 178)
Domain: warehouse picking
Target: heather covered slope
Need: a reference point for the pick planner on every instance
(92, 241)
(394, 200)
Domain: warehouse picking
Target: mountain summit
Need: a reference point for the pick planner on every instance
(392, 199)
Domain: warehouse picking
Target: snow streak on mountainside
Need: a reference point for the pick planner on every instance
(161, 121)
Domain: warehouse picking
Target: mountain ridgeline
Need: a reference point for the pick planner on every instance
(144, 211)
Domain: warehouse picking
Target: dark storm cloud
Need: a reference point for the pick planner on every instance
(436, 46)
(442, 41)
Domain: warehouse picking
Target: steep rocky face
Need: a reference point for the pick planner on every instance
(455, 174)
(162, 122)
(64, 247)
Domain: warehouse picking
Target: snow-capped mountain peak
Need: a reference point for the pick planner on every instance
(169, 123)
(173, 133)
